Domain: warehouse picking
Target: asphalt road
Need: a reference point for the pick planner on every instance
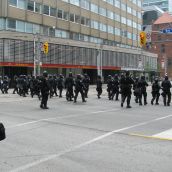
(96, 136)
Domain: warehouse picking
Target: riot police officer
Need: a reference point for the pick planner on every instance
(142, 84)
(126, 83)
(86, 82)
(99, 86)
(115, 87)
(69, 83)
(45, 88)
(60, 84)
(109, 86)
(166, 85)
(136, 89)
(79, 88)
(155, 91)
(15, 84)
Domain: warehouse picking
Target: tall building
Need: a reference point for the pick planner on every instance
(165, 5)
(83, 36)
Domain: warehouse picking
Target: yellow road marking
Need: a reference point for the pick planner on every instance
(150, 137)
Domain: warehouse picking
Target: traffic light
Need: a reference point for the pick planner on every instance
(142, 38)
(45, 47)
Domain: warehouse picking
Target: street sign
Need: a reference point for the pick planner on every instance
(169, 30)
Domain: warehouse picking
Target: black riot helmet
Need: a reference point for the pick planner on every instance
(166, 77)
(79, 76)
(45, 73)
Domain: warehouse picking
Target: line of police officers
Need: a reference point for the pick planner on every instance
(45, 86)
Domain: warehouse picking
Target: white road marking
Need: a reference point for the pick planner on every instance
(165, 134)
(51, 157)
(35, 163)
(59, 117)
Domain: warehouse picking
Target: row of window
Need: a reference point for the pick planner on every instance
(20, 26)
(51, 11)
(22, 52)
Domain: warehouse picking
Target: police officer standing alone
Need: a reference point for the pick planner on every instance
(45, 88)
(166, 85)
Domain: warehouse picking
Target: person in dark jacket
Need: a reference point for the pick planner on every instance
(86, 82)
(126, 83)
(136, 89)
(69, 83)
(115, 87)
(99, 86)
(142, 84)
(15, 85)
(60, 84)
(166, 85)
(79, 88)
(109, 86)
(155, 91)
(45, 88)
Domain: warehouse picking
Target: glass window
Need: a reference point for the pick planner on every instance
(11, 24)
(87, 22)
(95, 24)
(129, 35)
(117, 31)
(139, 3)
(129, 10)
(123, 20)
(110, 14)
(129, 22)
(20, 26)
(60, 14)
(102, 11)
(74, 2)
(110, 29)
(51, 32)
(77, 19)
(117, 3)
(52, 12)
(22, 4)
(83, 20)
(134, 25)
(134, 12)
(66, 15)
(29, 28)
(85, 4)
(37, 7)
(13, 2)
(139, 27)
(72, 19)
(94, 8)
(36, 28)
(30, 5)
(46, 10)
(2, 23)
(110, 2)
(139, 15)
(123, 6)
(117, 17)
(134, 37)
(102, 27)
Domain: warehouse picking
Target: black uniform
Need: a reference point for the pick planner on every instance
(110, 87)
(69, 83)
(142, 84)
(126, 85)
(5, 85)
(166, 85)
(86, 82)
(60, 85)
(15, 85)
(137, 90)
(45, 88)
(99, 87)
(55, 82)
(79, 88)
(155, 91)
(115, 88)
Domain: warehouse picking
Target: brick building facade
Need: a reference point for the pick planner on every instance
(162, 44)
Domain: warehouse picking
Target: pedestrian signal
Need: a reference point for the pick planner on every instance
(142, 38)
(45, 47)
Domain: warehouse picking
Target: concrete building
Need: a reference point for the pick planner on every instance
(83, 36)
(165, 5)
